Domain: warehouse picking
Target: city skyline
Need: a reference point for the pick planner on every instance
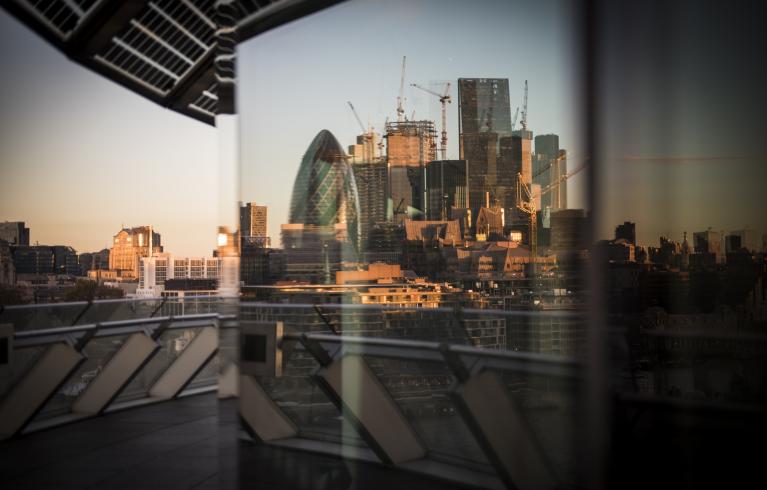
(174, 147)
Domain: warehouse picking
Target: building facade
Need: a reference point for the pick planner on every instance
(14, 232)
(156, 270)
(447, 187)
(410, 145)
(484, 117)
(325, 191)
(549, 165)
(129, 246)
(253, 220)
(372, 188)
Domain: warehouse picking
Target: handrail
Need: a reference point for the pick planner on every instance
(54, 335)
(558, 314)
(418, 350)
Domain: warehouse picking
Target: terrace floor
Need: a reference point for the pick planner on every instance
(186, 443)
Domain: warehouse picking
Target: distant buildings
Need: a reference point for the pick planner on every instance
(626, 231)
(44, 259)
(7, 269)
(129, 245)
(156, 271)
(447, 187)
(372, 189)
(708, 242)
(549, 166)
(745, 238)
(89, 261)
(253, 222)
(15, 233)
(410, 145)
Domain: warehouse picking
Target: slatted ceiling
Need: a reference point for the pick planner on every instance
(207, 101)
(163, 44)
(62, 16)
(152, 51)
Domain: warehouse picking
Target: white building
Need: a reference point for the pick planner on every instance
(158, 268)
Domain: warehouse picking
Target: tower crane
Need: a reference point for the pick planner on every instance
(444, 98)
(400, 97)
(526, 204)
(367, 134)
(514, 121)
(524, 110)
(357, 117)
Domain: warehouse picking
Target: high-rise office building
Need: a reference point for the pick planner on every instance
(410, 145)
(549, 165)
(627, 231)
(14, 232)
(708, 242)
(483, 105)
(253, 220)
(485, 124)
(447, 187)
(325, 191)
(747, 238)
(129, 245)
(372, 189)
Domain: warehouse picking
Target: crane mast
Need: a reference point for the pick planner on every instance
(514, 120)
(444, 99)
(400, 97)
(526, 204)
(524, 110)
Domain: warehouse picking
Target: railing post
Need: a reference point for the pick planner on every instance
(122, 367)
(30, 394)
(499, 426)
(368, 406)
(186, 366)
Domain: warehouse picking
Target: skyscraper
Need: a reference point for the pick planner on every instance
(372, 188)
(446, 188)
(325, 192)
(484, 121)
(483, 105)
(548, 166)
(410, 145)
(627, 231)
(253, 220)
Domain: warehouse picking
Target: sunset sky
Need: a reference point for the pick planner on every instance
(80, 155)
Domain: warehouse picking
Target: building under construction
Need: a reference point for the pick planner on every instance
(410, 145)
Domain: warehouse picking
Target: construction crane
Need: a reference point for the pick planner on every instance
(400, 97)
(524, 110)
(526, 204)
(514, 121)
(444, 99)
(357, 117)
(367, 134)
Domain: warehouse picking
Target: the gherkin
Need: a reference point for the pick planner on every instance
(325, 192)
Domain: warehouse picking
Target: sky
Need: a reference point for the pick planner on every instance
(680, 115)
(80, 156)
(296, 80)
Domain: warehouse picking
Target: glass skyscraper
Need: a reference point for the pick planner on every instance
(484, 116)
(325, 191)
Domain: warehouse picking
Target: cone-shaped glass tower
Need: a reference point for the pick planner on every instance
(325, 192)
